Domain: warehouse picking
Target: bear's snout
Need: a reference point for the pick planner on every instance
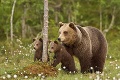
(59, 39)
(34, 48)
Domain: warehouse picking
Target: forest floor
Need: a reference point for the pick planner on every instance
(19, 65)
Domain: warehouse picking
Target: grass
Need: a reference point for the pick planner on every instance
(21, 59)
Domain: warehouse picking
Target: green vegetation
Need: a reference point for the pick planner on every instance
(28, 22)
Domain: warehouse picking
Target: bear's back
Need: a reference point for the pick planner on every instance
(98, 40)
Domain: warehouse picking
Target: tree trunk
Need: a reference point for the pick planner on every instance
(45, 32)
(100, 17)
(56, 17)
(23, 23)
(11, 20)
(111, 23)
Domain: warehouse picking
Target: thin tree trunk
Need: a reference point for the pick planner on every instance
(100, 17)
(23, 27)
(23, 23)
(56, 17)
(111, 23)
(45, 32)
(11, 20)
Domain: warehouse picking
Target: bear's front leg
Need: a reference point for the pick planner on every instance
(56, 62)
(85, 65)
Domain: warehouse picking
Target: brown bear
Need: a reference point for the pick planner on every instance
(87, 43)
(61, 55)
(38, 46)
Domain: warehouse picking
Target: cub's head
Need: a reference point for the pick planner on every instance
(53, 46)
(67, 33)
(38, 44)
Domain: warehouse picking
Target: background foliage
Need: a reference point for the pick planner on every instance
(81, 12)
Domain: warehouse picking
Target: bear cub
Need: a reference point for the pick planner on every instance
(61, 55)
(38, 46)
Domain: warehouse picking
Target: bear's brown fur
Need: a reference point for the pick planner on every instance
(87, 43)
(38, 46)
(61, 55)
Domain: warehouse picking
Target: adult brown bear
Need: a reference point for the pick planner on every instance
(87, 43)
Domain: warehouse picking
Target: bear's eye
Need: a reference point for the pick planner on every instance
(65, 32)
(51, 47)
(37, 44)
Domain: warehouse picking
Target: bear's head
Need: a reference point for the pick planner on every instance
(38, 44)
(53, 46)
(68, 33)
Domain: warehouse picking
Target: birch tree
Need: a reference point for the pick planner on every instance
(111, 23)
(45, 32)
(11, 20)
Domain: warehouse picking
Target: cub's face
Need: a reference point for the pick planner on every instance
(37, 43)
(53, 46)
(67, 33)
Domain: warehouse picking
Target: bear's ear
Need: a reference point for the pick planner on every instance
(34, 39)
(49, 41)
(41, 40)
(61, 24)
(55, 42)
(72, 25)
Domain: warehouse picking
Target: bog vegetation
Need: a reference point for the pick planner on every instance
(16, 60)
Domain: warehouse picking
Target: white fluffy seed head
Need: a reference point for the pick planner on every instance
(15, 76)
(26, 77)
(4, 77)
(59, 69)
(8, 76)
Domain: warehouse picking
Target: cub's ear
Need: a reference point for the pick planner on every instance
(41, 40)
(72, 25)
(49, 41)
(61, 24)
(34, 39)
(55, 42)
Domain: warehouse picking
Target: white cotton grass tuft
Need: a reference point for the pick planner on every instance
(114, 78)
(59, 69)
(76, 79)
(97, 72)
(39, 75)
(4, 77)
(26, 77)
(70, 72)
(8, 76)
(5, 72)
(110, 57)
(43, 76)
(15, 76)
(91, 68)
(64, 67)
